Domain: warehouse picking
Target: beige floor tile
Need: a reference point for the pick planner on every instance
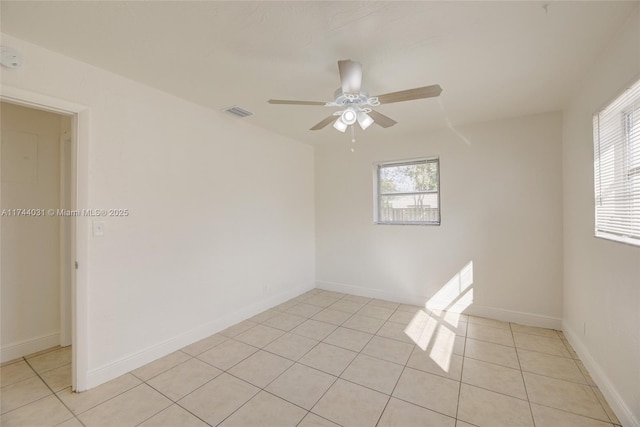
(460, 423)
(313, 420)
(376, 311)
(59, 378)
(348, 338)
(427, 331)
(335, 317)
(490, 334)
(605, 405)
(14, 372)
(37, 353)
(394, 331)
(388, 349)
(332, 294)
(447, 344)
(291, 346)
(328, 358)
(238, 328)
(314, 329)
(408, 307)
(553, 346)
(284, 321)
(203, 345)
(374, 373)
(347, 306)
(80, 402)
(551, 366)
(182, 379)
(22, 392)
(400, 413)
(127, 409)
(382, 303)
(485, 408)
(47, 411)
(567, 396)
(260, 368)
(488, 322)
(550, 417)
(174, 416)
(349, 405)
(219, 398)
(366, 324)
(429, 391)
(321, 301)
(532, 330)
(227, 354)
(585, 373)
(493, 377)
(288, 304)
(260, 336)
(50, 360)
(494, 353)
(265, 410)
(403, 317)
(304, 310)
(572, 352)
(301, 385)
(71, 422)
(448, 366)
(158, 366)
(357, 298)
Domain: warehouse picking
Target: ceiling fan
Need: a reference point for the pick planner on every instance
(356, 104)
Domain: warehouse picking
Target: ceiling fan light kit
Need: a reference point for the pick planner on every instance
(356, 103)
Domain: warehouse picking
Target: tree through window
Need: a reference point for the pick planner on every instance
(408, 192)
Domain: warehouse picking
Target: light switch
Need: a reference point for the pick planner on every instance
(98, 228)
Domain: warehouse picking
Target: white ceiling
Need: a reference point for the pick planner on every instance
(492, 59)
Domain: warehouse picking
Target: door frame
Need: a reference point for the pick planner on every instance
(66, 258)
(79, 225)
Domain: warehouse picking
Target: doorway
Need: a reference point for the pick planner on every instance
(37, 250)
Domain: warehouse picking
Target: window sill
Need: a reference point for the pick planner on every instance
(618, 239)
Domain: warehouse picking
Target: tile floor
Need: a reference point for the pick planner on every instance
(328, 359)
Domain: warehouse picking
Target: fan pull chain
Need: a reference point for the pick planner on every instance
(353, 137)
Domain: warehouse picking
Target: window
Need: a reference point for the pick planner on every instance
(407, 192)
(616, 135)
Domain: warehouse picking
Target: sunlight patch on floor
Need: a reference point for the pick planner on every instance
(433, 328)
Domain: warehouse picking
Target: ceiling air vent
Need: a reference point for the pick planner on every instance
(237, 111)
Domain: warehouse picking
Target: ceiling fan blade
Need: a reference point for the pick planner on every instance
(410, 94)
(382, 120)
(283, 101)
(350, 76)
(324, 122)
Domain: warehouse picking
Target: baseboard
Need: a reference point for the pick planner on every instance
(520, 317)
(26, 347)
(403, 298)
(523, 318)
(599, 376)
(133, 361)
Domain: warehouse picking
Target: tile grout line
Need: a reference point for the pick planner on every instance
(524, 383)
(53, 392)
(307, 317)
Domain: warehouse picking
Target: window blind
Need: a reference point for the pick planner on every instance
(617, 168)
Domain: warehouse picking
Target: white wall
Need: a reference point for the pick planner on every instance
(501, 198)
(602, 278)
(221, 220)
(30, 244)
